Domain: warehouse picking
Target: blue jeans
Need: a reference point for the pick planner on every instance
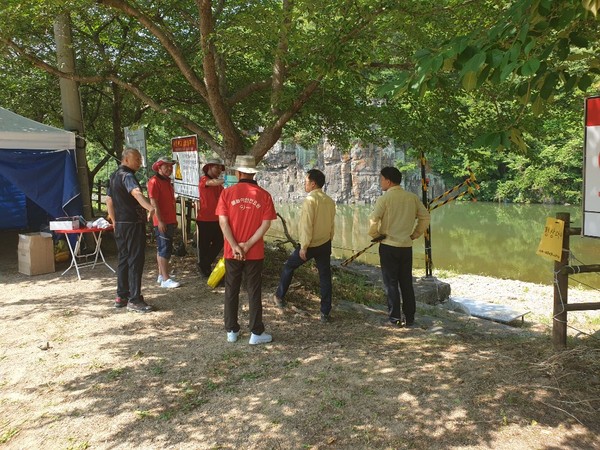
(396, 269)
(322, 256)
(164, 241)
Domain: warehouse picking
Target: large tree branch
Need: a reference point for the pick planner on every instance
(247, 91)
(279, 68)
(101, 164)
(179, 118)
(165, 39)
(271, 134)
(130, 87)
(233, 144)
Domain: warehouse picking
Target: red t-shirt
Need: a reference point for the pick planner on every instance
(246, 205)
(161, 190)
(209, 197)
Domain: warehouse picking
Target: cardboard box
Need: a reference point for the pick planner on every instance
(65, 223)
(36, 253)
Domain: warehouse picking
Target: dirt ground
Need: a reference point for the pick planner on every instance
(75, 373)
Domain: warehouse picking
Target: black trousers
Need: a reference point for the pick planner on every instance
(396, 268)
(210, 244)
(252, 271)
(131, 245)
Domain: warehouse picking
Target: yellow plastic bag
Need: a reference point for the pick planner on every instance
(217, 274)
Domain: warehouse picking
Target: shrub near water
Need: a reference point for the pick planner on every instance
(347, 286)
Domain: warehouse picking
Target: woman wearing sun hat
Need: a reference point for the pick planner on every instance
(210, 236)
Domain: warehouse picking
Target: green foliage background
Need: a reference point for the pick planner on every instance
(495, 86)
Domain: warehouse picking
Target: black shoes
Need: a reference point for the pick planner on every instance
(325, 318)
(395, 323)
(279, 302)
(121, 302)
(204, 272)
(139, 306)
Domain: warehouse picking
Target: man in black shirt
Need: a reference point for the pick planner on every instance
(127, 209)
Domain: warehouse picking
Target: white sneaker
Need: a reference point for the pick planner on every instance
(260, 338)
(232, 336)
(159, 279)
(170, 283)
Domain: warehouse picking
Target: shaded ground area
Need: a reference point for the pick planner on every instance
(76, 373)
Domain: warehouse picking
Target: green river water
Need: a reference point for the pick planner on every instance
(498, 240)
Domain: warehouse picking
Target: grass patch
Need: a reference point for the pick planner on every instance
(251, 376)
(8, 434)
(292, 364)
(356, 288)
(77, 445)
(158, 368)
(115, 374)
(143, 414)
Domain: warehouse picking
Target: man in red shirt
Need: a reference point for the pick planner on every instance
(245, 213)
(162, 197)
(210, 236)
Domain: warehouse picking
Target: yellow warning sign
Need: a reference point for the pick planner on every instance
(178, 175)
(552, 239)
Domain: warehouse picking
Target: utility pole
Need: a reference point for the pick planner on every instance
(71, 105)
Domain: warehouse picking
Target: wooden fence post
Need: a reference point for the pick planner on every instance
(561, 289)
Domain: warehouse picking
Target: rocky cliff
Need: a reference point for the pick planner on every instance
(352, 177)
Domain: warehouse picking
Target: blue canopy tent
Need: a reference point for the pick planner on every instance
(38, 175)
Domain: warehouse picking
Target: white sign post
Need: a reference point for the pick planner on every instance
(186, 170)
(591, 169)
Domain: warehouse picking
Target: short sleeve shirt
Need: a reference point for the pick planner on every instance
(209, 197)
(127, 208)
(161, 190)
(246, 205)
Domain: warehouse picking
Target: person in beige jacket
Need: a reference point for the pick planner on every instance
(316, 232)
(394, 217)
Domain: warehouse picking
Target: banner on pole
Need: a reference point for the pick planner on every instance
(591, 169)
(186, 170)
(135, 137)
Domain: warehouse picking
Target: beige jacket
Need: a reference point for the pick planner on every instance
(395, 214)
(316, 219)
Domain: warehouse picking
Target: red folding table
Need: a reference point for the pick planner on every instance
(77, 256)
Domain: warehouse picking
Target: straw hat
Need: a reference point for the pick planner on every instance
(211, 162)
(245, 164)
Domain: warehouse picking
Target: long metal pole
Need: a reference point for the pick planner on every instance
(424, 187)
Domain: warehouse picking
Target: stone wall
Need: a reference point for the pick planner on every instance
(351, 178)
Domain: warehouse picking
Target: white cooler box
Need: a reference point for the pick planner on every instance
(65, 223)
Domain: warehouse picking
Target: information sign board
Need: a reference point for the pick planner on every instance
(186, 170)
(135, 137)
